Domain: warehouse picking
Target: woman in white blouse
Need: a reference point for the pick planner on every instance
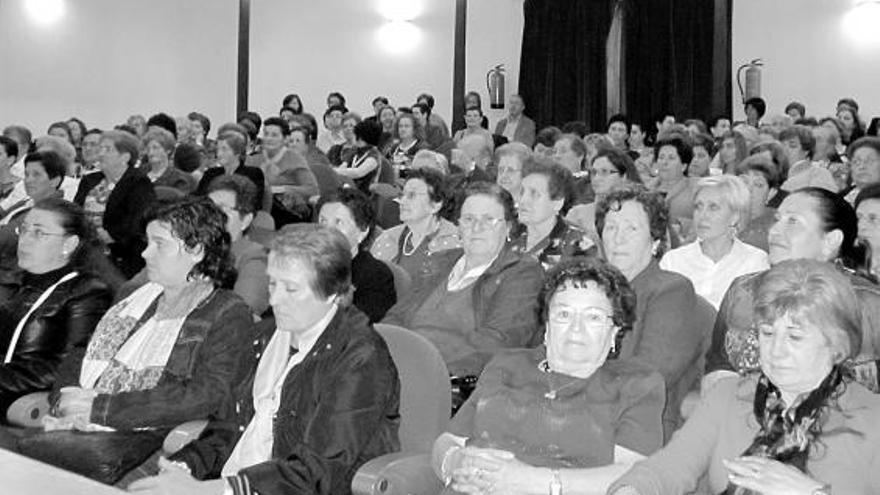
(717, 257)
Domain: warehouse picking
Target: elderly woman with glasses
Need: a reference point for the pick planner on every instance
(610, 168)
(423, 233)
(798, 424)
(482, 298)
(565, 414)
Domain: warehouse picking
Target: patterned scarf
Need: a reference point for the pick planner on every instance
(787, 434)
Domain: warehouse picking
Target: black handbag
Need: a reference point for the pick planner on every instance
(104, 456)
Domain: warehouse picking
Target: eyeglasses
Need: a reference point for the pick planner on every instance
(864, 163)
(509, 170)
(604, 172)
(592, 317)
(471, 221)
(35, 232)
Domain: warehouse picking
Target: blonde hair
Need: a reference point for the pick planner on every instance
(733, 191)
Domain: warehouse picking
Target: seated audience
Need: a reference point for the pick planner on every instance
(116, 198)
(799, 143)
(542, 232)
(797, 425)
(610, 168)
(333, 134)
(236, 196)
(672, 156)
(545, 141)
(852, 126)
(350, 212)
(159, 146)
(717, 257)
(509, 160)
(300, 140)
(812, 223)
(571, 152)
(483, 297)
(732, 150)
(516, 127)
(290, 181)
(324, 398)
(168, 353)
(704, 152)
(473, 116)
(864, 160)
(633, 223)
(52, 303)
(435, 134)
(231, 147)
(423, 233)
(867, 206)
(567, 413)
(364, 167)
(409, 140)
(761, 178)
(341, 153)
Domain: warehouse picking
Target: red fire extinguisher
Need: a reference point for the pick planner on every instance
(495, 84)
(753, 79)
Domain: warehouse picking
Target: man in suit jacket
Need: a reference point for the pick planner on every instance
(516, 126)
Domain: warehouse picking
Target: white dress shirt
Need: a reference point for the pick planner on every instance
(711, 280)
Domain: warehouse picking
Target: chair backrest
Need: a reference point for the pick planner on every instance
(425, 393)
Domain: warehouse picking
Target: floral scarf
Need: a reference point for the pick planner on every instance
(786, 435)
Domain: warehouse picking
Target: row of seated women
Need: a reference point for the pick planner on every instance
(77, 406)
(633, 229)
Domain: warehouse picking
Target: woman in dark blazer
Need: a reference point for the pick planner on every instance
(116, 199)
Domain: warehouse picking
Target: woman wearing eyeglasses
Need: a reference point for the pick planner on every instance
(423, 233)
(566, 415)
(482, 297)
(609, 169)
(54, 303)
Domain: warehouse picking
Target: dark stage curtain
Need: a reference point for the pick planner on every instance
(562, 67)
(678, 58)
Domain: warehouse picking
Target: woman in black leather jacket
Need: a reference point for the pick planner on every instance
(55, 302)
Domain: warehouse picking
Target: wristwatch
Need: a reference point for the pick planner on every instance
(555, 483)
(822, 490)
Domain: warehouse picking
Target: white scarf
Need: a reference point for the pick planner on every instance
(255, 444)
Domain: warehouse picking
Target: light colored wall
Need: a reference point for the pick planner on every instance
(809, 54)
(107, 59)
(494, 36)
(335, 45)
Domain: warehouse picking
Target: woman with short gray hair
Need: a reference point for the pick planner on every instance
(717, 257)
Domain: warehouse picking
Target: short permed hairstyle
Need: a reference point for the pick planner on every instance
(762, 165)
(324, 252)
(54, 165)
(578, 272)
(560, 182)
(124, 142)
(161, 136)
(494, 191)
(682, 147)
(164, 121)
(199, 223)
(804, 136)
(548, 136)
(369, 131)
(244, 189)
(652, 203)
(278, 122)
(357, 203)
(436, 182)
